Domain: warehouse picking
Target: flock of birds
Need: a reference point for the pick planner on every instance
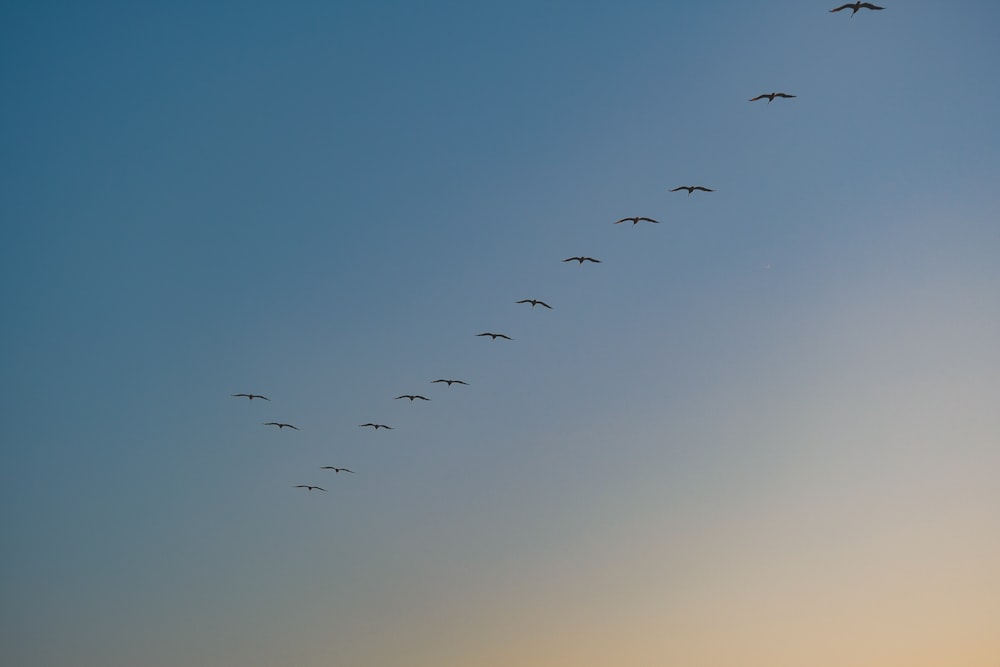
(855, 7)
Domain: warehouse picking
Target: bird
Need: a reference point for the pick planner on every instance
(855, 6)
(411, 397)
(692, 188)
(307, 487)
(375, 426)
(253, 396)
(494, 336)
(450, 382)
(635, 221)
(582, 260)
(770, 96)
(535, 302)
(280, 425)
(337, 470)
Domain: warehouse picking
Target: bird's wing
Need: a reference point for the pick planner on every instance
(650, 220)
(542, 303)
(247, 395)
(869, 5)
(422, 398)
(318, 488)
(759, 97)
(264, 397)
(327, 468)
(363, 425)
(703, 188)
(616, 222)
(523, 301)
(504, 336)
(399, 397)
(270, 423)
(678, 189)
(591, 259)
(290, 426)
(848, 6)
(783, 95)
(346, 470)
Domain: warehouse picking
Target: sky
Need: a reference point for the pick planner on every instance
(762, 432)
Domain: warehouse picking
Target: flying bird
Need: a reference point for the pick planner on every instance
(338, 470)
(855, 6)
(535, 302)
(494, 336)
(411, 397)
(450, 382)
(280, 425)
(375, 426)
(770, 96)
(635, 221)
(582, 260)
(309, 488)
(253, 396)
(692, 188)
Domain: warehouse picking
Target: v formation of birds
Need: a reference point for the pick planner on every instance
(855, 7)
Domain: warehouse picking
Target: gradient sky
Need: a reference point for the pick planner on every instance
(763, 433)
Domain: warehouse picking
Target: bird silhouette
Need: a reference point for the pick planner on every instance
(692, 188)
(375, 426)
(855, 6)
(307, 487)
(770, 96)
(253, 396)
(582, 260)
(635, 221)
(411, 397)
(337, 470)
(450, 382)
(535, 302)
(494, 336)
(280, 425)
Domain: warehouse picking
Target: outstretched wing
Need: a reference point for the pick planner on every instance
(847, 6)
(703, 189)
(759, 97)
(868, 5)
(684, 187)
(784, 95)
(650, 220)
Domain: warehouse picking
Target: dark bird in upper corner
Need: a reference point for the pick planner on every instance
(376, 426)
(635, 220)
(692, 188)
(582, 260)
(535, 302)
(494, 336)
(450, 382)
(411, 397)
(334, 469)
(770, 96)
(280, 425)
(307, 487)
(253, 396)
(855, 6)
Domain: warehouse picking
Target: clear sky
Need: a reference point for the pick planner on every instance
(762, 433)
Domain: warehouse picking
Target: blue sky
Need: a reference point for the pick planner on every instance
(763, 430)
